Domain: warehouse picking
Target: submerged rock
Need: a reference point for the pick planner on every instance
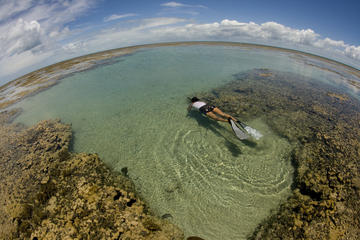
(166, 215)
(50, 193)
(324, 124)
(194, 238)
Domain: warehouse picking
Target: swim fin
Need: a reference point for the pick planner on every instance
(238, 132)
(251, 131)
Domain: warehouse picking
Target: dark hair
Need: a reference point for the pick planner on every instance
(195, 99)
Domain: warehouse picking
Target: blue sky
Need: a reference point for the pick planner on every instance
(334, 19)
(38, 33)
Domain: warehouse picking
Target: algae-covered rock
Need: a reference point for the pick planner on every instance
(50, 193)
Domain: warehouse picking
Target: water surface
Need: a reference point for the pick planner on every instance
(133, 114)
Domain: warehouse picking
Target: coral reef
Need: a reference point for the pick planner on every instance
(324, 125)
(48, 192)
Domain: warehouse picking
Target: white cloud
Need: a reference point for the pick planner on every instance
(74, 46)
(328, 43)
(157, 22)
(176, 5)
(115, 16)
(20, 63)
(172, 4)
(353, 52)
(31, 30)
(21, 37)
(10, 8)
(37, 24)
(115, 37)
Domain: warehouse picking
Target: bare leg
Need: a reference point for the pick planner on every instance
(215, 117)
(221, 113)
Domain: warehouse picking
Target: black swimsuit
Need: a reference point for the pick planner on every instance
(206, 108)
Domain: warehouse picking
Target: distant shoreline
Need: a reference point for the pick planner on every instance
(46, 77)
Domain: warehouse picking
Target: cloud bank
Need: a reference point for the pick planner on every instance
(271, 33)
(30, 31)
(36, 35)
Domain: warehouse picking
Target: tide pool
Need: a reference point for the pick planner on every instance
(133, 114)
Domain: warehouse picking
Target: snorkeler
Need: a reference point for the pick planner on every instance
(241, 130)
(210, 110)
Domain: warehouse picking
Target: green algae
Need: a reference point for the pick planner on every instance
(324, 125)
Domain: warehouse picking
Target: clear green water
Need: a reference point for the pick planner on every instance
(133, 114)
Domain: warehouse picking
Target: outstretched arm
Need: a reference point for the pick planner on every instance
(189, 107)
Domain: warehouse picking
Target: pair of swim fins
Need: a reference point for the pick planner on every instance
(239, 129)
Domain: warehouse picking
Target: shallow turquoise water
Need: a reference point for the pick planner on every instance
(133, 114)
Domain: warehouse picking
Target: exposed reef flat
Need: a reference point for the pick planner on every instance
(46, 77)
(344, 73)
(324, 125)
(48, 192)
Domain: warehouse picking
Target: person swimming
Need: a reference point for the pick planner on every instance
(209, 110)
(241, 130)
